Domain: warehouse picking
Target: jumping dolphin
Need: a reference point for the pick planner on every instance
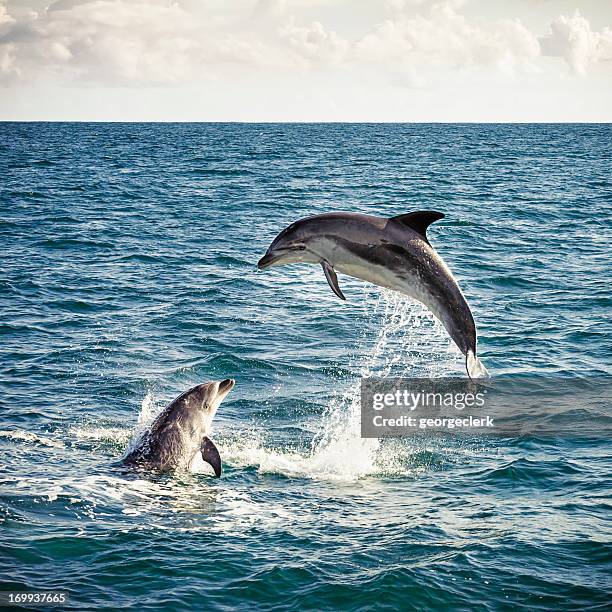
(181, 431)
(393, 253)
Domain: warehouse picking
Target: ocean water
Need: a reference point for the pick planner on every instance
(127, 275)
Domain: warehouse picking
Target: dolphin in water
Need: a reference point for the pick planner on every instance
(393, 253)
(181, 431)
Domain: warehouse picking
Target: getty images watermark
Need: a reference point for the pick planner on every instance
(517, 406)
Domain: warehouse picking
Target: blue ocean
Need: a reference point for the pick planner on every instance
(128, 274)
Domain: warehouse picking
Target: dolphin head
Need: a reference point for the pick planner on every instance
(213, 393)
(207, 397)
(293, 245)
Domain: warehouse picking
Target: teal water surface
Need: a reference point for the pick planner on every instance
(127, 275)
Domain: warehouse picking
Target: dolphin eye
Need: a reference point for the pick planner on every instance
(301, 247)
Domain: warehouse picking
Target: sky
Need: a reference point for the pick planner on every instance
(306, 60)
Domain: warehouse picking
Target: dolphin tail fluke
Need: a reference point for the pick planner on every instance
(474, 366)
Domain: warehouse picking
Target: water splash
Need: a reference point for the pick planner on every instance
(116, 436)
(408, 342)
(149, 409)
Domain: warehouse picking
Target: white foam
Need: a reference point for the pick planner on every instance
(104, 434)
(409, 342)
(27, 436)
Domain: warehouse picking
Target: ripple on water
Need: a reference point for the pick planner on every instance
(128, 274)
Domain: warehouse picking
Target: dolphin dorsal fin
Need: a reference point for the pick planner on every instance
(419, 221)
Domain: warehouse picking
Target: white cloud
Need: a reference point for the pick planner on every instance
(573, 39)
(4, 16)
(166, 42)
(314, 42)
(444, 37)
(157, 41)
(103, 40)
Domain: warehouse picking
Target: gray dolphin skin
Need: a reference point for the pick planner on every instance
(393, 253)
(181, 431)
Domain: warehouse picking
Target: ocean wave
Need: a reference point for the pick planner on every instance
(21, 435)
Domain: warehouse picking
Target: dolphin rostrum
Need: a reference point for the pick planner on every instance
(181, 430)
(393, 253)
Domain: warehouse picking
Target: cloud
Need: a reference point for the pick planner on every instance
(103, 40)
(140, 42)
(444, 37)
(573, 39)
(314, 42)
(157, 41)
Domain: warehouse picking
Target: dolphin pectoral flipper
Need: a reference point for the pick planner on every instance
(210, 454)
(332, 279)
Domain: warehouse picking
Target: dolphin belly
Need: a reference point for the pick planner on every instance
(433, 286)
(389, 272)
(167, 450)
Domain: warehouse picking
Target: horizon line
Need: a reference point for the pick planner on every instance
(300, 122)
